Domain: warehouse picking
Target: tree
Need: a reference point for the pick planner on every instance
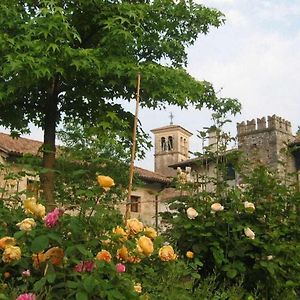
(65, 59)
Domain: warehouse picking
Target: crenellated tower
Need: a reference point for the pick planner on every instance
(262, 140)
(171, 145)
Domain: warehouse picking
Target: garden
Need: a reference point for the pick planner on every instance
(73, 65)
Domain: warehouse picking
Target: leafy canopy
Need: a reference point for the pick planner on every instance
(84, 54)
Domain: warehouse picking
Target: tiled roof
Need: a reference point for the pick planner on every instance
(195, 160)
(18, 146)
(151, 176)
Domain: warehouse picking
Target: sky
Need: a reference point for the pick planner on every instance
(254, 57)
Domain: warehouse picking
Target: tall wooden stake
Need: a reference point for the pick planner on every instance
(131, 170)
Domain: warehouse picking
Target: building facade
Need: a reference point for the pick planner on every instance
(265, 141)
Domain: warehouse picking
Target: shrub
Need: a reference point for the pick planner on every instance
(247, 234)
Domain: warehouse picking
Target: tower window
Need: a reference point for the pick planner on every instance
(170, 143)
(163, 145)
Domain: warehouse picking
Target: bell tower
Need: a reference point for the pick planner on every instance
(171, 145)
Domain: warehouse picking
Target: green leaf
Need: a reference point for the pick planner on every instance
(51, 276)
(83, 250)
(231, 273)
(82, 296)
(72, 284)
(19, 234)
(55, 237)
(89, 284)
(40, 243)
(39, 284)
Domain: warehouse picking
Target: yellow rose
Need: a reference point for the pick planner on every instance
(138, 288)
(32, 207)
(104, 255)
(40, 211)
(121, 232)
(134, 226)
(29, 204)
(105, 182)
(7, 241)
(122, 253)
(11, 253)
(27, 224)
(189, 254)
(145, 245)
(150, 232)
(166, 253)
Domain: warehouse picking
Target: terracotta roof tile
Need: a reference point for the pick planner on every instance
(151, 176)
(19, 145)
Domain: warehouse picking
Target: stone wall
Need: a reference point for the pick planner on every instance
(265, 141)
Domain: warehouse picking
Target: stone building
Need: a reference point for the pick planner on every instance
(263, 141)
(147, 196)
(10, 180)
(171, 145)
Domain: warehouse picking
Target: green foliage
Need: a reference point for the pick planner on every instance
(270, 262)
(83, 55)
(69, 61)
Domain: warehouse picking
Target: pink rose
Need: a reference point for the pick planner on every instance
(120, 268)
(52, 217)
(84, 266)
(26, 296)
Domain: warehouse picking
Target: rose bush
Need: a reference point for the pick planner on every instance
(248, 235)
(72, 255)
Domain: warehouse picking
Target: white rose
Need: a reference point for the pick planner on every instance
(191, 213)
(216, 207)
(249, 206)
(249, 233)
(270, 257)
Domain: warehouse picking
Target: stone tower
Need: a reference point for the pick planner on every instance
(262, 141)
(171, 145)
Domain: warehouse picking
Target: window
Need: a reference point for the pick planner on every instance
(230, 172)
(32, 188)
(170, 143)
(297, 159)
(163, 144)
(135, 203)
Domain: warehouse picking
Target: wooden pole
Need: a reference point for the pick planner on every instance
(131, 170)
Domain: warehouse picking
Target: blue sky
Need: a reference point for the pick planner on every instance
(254, 57)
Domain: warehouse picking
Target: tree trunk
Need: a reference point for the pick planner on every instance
(50, 119)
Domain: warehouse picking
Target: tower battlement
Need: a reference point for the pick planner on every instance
(274, 123)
